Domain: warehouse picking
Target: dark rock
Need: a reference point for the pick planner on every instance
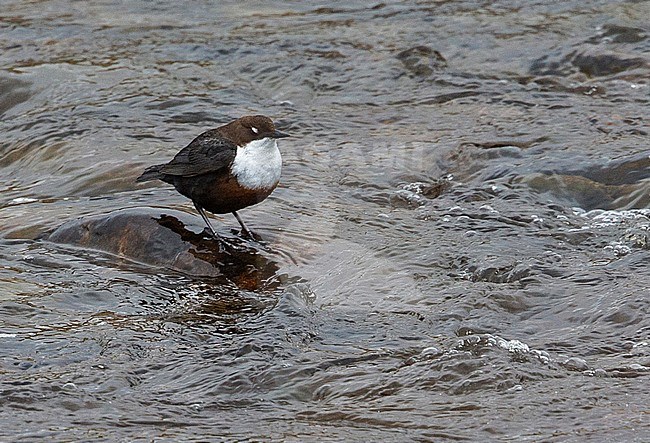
(159, 238)
(620, 34)
(581, 191)
(592, 63)
(422, 61)
(603, 64)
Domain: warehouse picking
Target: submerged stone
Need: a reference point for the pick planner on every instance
(592, 62)
(422, 61)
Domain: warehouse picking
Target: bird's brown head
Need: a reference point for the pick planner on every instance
(248, 128)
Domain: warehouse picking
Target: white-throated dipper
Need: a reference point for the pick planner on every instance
(226, 169)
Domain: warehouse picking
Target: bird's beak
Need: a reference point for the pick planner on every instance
(279, 134)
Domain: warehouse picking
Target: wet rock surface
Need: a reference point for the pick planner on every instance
(159, 238)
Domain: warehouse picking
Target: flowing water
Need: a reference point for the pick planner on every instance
(458, 250)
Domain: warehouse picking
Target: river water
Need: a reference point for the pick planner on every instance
(458, 250)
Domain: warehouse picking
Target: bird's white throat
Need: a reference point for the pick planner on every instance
(258, 165)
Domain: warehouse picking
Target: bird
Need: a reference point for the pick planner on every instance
(226, 169)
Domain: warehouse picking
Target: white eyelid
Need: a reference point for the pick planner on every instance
(254, 129)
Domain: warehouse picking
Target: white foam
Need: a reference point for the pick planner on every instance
(21, 200)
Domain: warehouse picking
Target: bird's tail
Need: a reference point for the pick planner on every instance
(151, 173)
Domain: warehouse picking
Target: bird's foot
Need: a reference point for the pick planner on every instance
(247, 233)
(216, 238)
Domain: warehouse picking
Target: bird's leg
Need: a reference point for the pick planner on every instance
(247, 231)
(206, 220)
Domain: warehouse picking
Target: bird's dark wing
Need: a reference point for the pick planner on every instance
(209, 152)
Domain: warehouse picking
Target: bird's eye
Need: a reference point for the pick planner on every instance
(254, 129)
